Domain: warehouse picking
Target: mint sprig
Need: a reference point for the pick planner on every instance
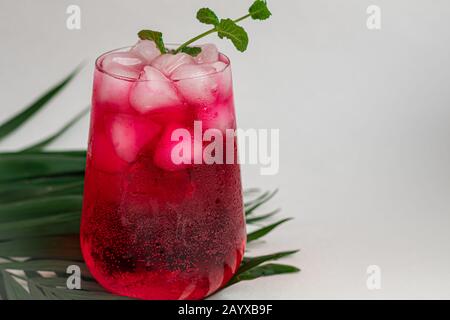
(228, 28)
(225, 28)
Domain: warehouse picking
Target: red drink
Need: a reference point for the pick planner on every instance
(153, 229)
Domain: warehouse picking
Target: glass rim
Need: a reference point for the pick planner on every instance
(99, 67)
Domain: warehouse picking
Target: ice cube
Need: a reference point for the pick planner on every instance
(113, 82)
(146, 50)
(130, 134)
(219, 116)
(190, 71)
(224, 80)
(208, 54)
(111, 92)
(123, 64)
(196, 83)
(163, 152)
(118, 139)
(153, 91)
(167, 63)
(219, 66)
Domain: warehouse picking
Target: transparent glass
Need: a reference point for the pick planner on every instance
(151, 228)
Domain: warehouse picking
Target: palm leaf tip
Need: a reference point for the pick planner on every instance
(255, 267)
(252, 236)
(265, 270)
(17, 120)
(251, 206)
(251, 220)
(251, 262)
(40, 145)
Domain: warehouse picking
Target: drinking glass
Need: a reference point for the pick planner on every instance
(152, 227)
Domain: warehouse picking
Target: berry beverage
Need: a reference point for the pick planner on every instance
(152, 227)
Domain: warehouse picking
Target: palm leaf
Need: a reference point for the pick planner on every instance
(20, 166)
(265, 270)
(251, 206)
(250, 263)
(16, 121)
(13, 290)
(250, 191)
(41, 187)
(38, 208)
(63, 223)
(70, 153)
(57, 266)
(66, 247)
(53, 288)
(40, 145)
(261, 217)
(252, 236)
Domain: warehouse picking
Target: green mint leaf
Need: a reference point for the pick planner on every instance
(207, 16)
(227, 28)
(192, 51)
(154, 36)
(259, 10)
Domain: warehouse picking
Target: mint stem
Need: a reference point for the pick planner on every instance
(187, 43)
(204, 34)
(242, 18)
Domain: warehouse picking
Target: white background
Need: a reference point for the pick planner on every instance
(364, 118)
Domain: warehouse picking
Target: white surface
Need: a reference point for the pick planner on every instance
(364, 118)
